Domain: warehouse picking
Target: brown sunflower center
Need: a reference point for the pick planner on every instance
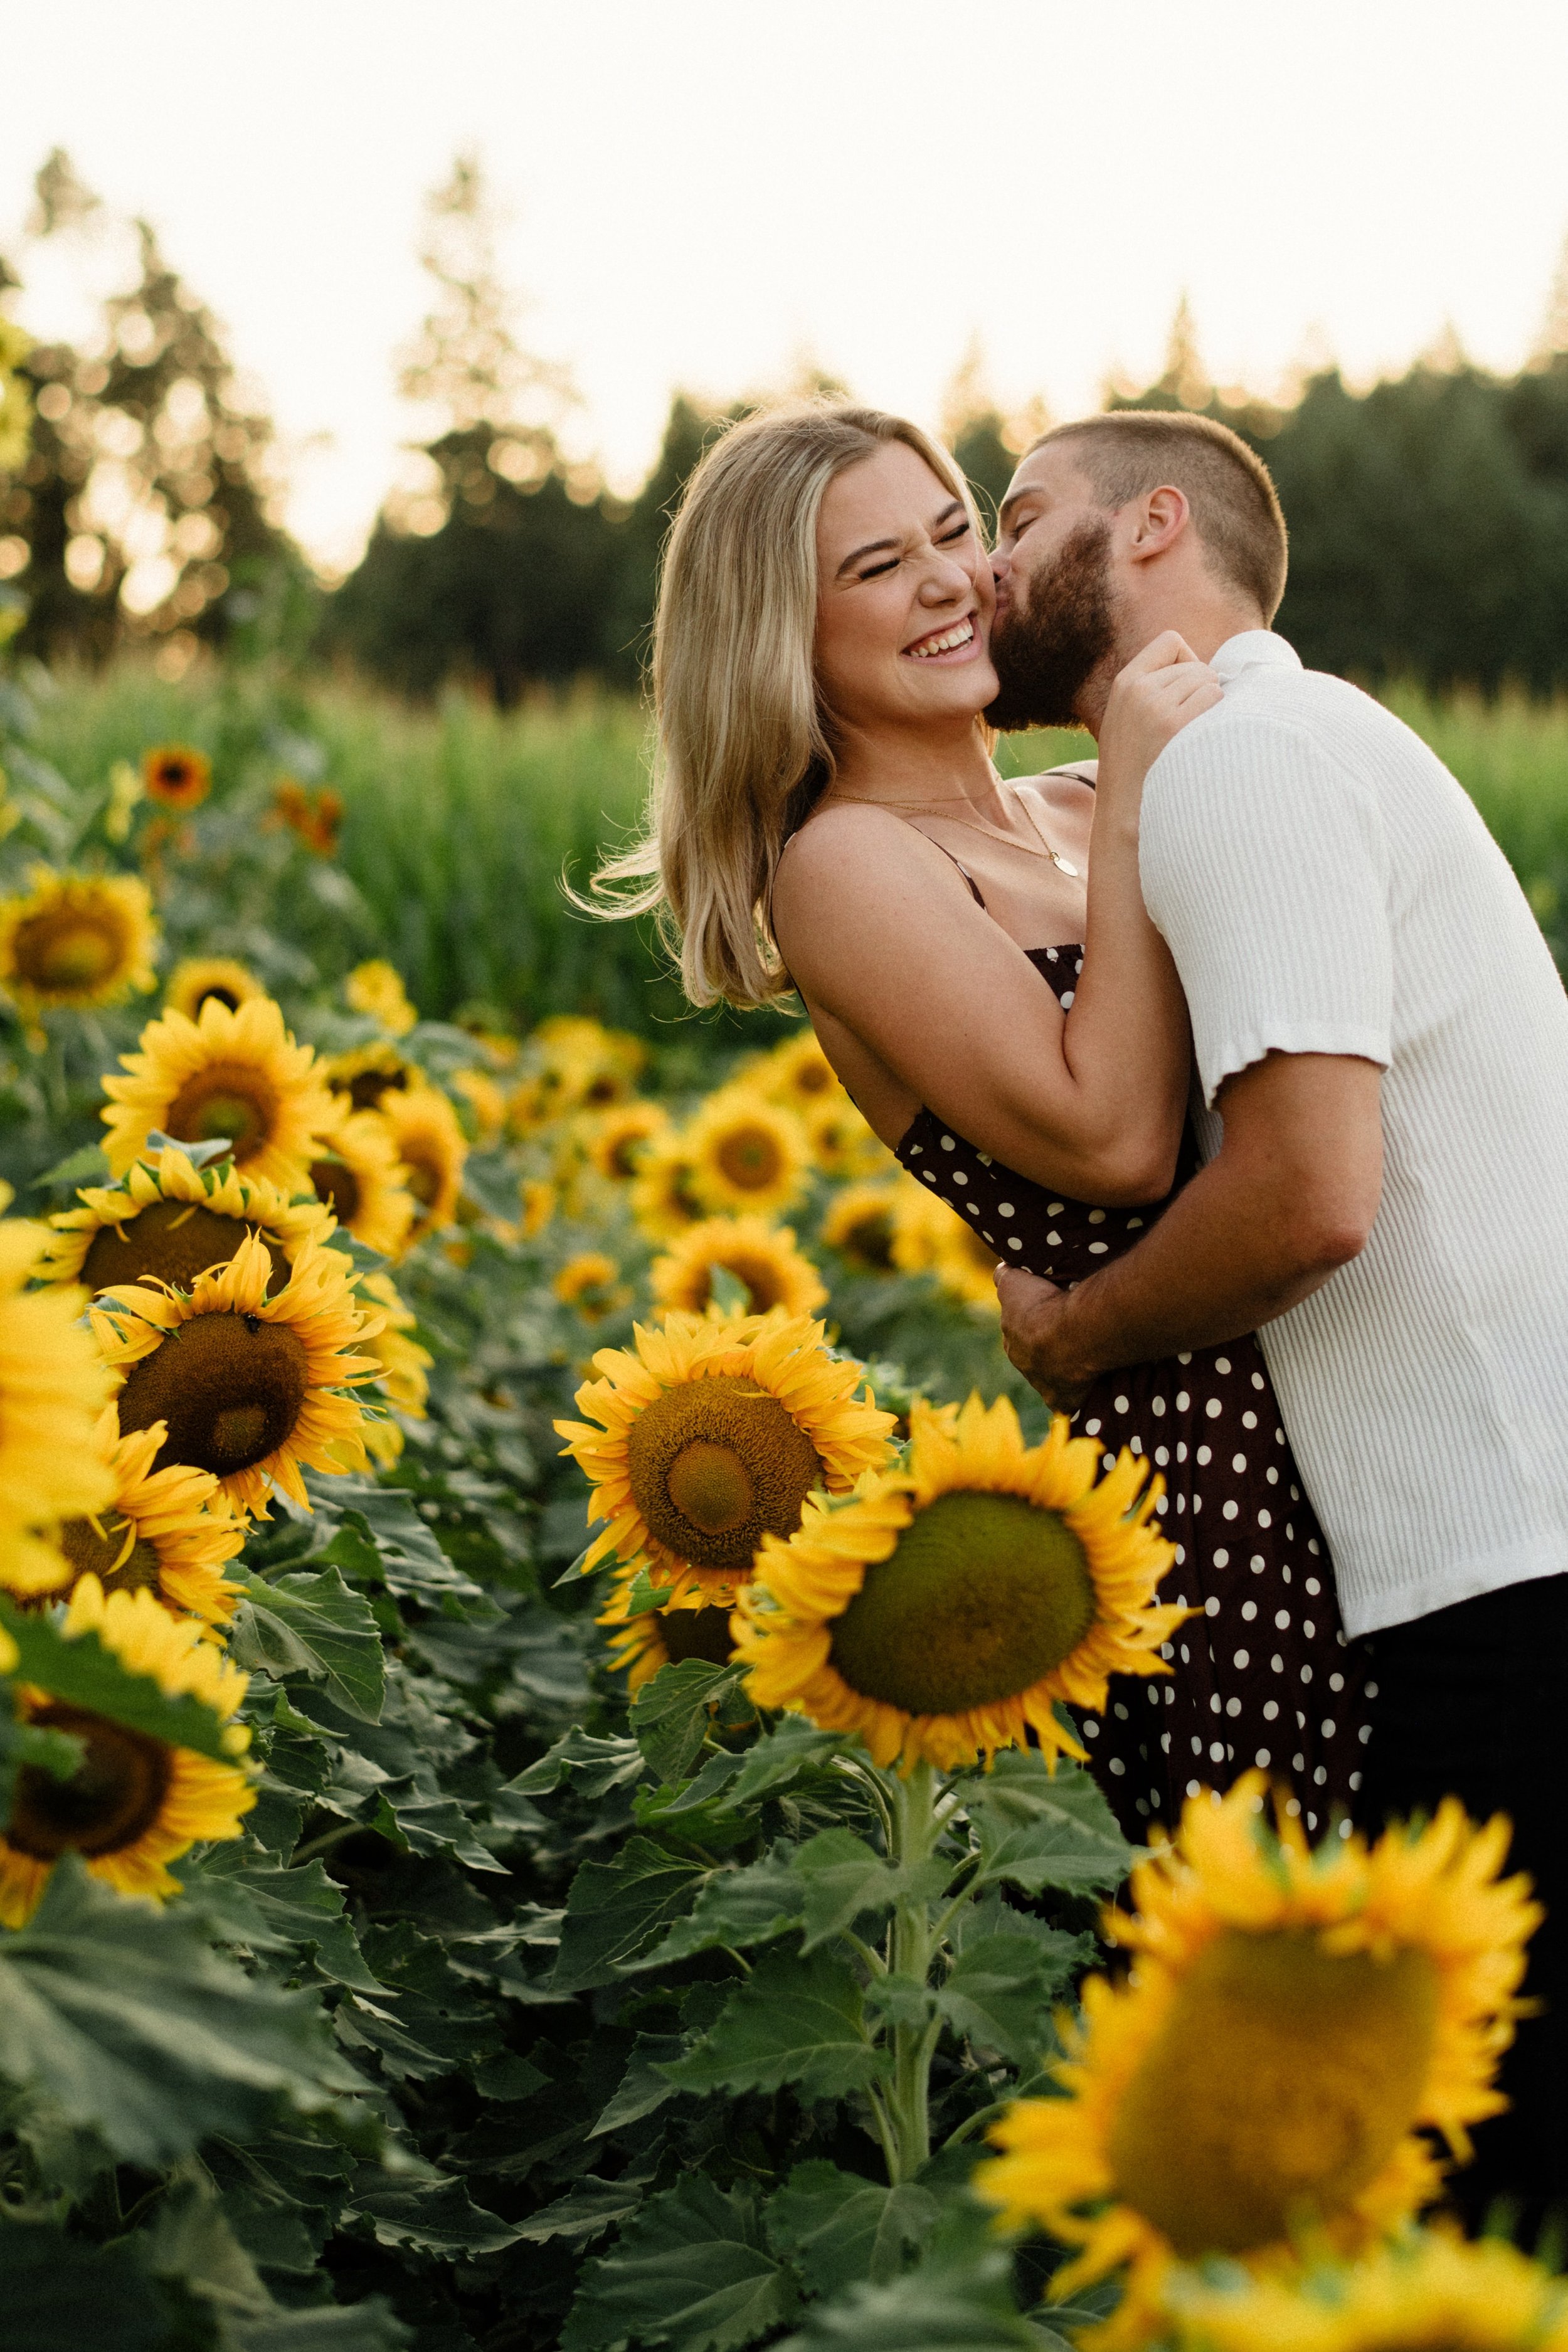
(366, 1087)
(626, 1151)
(334, 1182)
(869, 1240)
(980, 1597)
(172, 1242)
(760, 1275)
(813, 1078)
(111, 1799)
(606, 1088)
(66, 949)
(726, 1449)
(750, 1158)
(224, 1098)
(100, 1547)
(698, 1633)
(230, 1387)
(423, 1171)
(1282, 2080)
(216, 994)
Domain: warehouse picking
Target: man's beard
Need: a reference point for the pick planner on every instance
(1048, 647)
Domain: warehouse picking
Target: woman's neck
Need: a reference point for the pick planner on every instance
(920, 767)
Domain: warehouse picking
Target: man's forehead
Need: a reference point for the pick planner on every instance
(1054, 471)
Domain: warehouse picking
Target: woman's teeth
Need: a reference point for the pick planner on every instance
(946, 644)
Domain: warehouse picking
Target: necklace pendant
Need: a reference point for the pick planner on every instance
(1064, 864)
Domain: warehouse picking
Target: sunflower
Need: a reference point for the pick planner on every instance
(486, 1101)
(860, 1227)
(168, 1220)
(762, 1257)
(368, 1073)
(537, 1198)
(664, 1203)
(53, 1387)
(402, 1366)
(432, 1147)
(176, 774)
(233, 1073)
(360, 1178)
(134, 1804)
(711, 1434)
(191, 983)
(376, 988)
(840, 1141)
(166, 1532)
(942, 1612)
(617, 1141)
(662, 1637)
(250, 1387)
(590, 1281)
(1428, 2293)
(1292, 2022)
(797, 1073)
(76, 940)
(964, 1263)
(746, 1153)
(584, 1064)
(316, 822)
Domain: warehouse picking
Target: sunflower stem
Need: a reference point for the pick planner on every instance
(907, 2095)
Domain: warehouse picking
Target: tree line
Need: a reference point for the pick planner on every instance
(1428, 513)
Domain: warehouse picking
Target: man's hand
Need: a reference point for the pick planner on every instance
(1033, 1333)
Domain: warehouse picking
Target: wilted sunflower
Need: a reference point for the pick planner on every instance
(1291, 2023)
(761, 1256)
(662, 1637)
(841, 1143)
(711, 1435)
(166, 1532)
(617, 1141)
(376, 988)
(402, 1366)
(134, 1804)
(168, 1220)
(663, 1202)
(1428, 2293)
(191, 983)
(797, 1073)
(432, 1147)
(233, 1073)
(250, 1386)
(358, 1175)
(177, 774)
(944, 1611)
(76, 940)
(53, 1387)
(368, 1073)
(591, 1282)
(860, 1227)
(746, 1153)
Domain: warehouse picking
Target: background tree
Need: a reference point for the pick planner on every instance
(986, 443)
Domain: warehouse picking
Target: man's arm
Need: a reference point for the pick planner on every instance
(1290, 1197)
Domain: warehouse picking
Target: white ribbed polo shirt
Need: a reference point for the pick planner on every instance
(1326, 886)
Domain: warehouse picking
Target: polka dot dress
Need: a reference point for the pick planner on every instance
(1263, 1676)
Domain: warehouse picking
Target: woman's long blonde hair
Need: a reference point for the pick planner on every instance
(744, 746)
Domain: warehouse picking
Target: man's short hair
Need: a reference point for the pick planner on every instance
(1234, 506)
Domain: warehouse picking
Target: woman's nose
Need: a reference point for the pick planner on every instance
(945, 579)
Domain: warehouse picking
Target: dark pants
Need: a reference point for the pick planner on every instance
(1472, 1702)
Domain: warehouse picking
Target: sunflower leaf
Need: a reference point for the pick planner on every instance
(77, 1168)
(1040, 1830)
(593, 1767)
(998, 1993)
(779, 1758)
(616, 1908)
(59, 2288)
(248, 1900)
(793, 2020)
(691, 2270)
(838, 2228)
(436, 2216)
(845, 1877)
(670, 1716)
(643, 2086)
(958, 2298)
(82, 1670)
(314, 1625)
(736, 1907)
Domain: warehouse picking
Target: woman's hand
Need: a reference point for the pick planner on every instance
(1152, 700)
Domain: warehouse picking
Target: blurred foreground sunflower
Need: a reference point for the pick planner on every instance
(358, 1175)
(402, 1367)
(746, 1153)
(166, 1532)
(376, 989)
(711, 1434)
(239, 1075)
(432, 1149)
(76, 940)
(1428, 2293)
(641, 1643)
(1292, 2021)
(191, 983)
(168, 1220)
(250, 1386)
(134, 1804)
(177, 774)
(762, 1257)
(53, 1387)
(944, 1611)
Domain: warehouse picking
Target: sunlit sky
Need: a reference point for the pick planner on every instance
(708, 192)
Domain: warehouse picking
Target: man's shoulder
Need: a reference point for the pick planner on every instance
(1295, 712)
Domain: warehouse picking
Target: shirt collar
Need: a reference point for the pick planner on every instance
(1253, 649)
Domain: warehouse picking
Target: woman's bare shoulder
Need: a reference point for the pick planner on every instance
(843, 841)
(1068, 787)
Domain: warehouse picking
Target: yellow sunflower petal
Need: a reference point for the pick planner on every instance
(76, 940)
(234, 1074)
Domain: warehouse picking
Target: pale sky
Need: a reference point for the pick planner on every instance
(702, 191)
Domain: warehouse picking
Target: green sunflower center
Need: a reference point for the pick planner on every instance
(697, 1633)
(105, 1555)
(714, 1464)
(65, 951)
(172, 1242)
(113, 1797)
(1281, 2084)
(334, 1182)
(750, 1159)
(224, 1098)
(981, 1596)
(230, 1387)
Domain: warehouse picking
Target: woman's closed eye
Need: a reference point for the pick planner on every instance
(892, 563)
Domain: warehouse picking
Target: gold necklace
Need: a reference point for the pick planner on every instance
(991, 833)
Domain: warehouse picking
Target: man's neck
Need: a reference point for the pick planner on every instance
(1205, 627)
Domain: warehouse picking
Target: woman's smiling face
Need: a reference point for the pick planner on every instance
(905, 598)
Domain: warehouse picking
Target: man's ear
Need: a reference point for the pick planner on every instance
(1160, 517)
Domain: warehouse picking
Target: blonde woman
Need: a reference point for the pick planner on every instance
(978, 963)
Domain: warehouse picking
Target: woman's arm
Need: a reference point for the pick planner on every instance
(882, 938)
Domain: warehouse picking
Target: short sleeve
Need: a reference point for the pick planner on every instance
(1265, 866)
